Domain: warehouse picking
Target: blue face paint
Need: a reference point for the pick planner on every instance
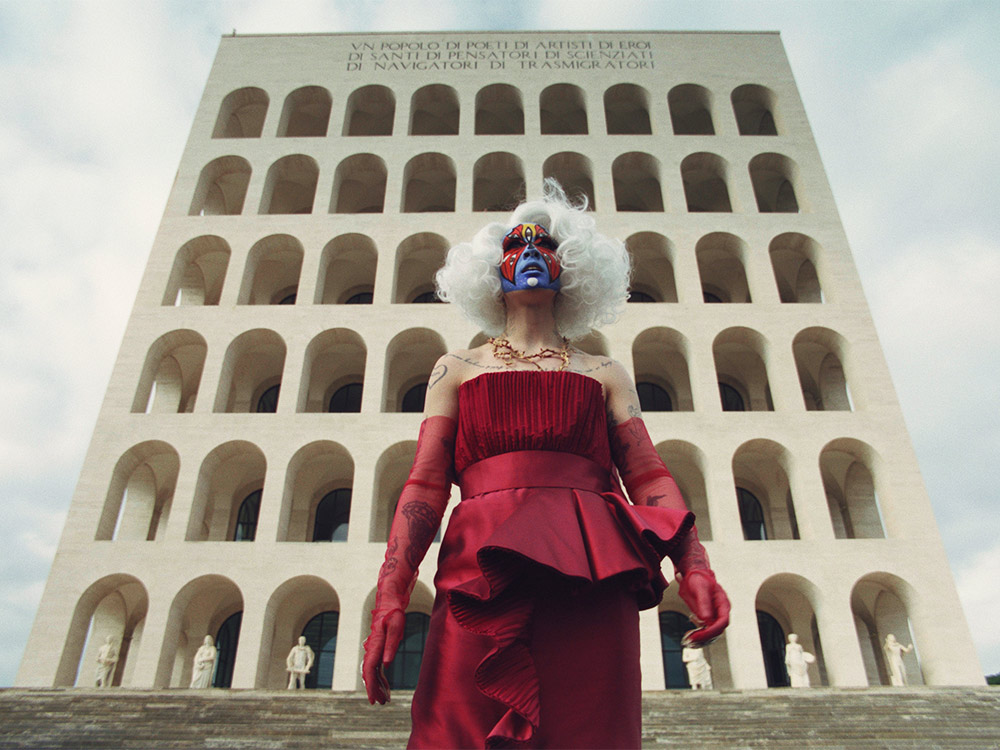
(529, 260)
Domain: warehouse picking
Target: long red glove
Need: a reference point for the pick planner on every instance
(418, 516)
(648, 482)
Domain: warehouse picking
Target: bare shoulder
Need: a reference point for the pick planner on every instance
(608, 371)
(620, 395)
(465, 364)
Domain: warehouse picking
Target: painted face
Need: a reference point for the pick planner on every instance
(529, 259)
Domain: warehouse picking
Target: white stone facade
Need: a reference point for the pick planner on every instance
(329, 166)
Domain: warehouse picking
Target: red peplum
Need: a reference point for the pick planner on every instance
(534, 638)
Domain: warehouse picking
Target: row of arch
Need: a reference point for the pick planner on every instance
(498, 183)
(316, 500)
(273, 269)
(435, 110)
(333, 372)
(116, 606)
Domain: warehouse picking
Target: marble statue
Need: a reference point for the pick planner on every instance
(107, 657)
(300, 660)
(204, 664)
(699, 671)
(797, 662)
(894, 651)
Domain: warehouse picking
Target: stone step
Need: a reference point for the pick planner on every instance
(820, 719)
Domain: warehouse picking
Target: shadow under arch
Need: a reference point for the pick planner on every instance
(850, 470)
(660, 359)
(391, 471)
(882, 603)
(114, 605)
(291, 605)
(792, 600)
(687, 463)
(409, 357)
(716, 654)
(227, 474)
(315, 470)
(138, 500)
(762, 467)
(198, 609)
(421, 604)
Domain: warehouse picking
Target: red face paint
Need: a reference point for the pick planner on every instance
(521, 238)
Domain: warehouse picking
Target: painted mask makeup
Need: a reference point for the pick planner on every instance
(529, 259)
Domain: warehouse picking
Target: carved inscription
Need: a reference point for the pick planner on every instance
(501, 54)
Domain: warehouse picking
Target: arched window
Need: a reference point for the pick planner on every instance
(653, 398)
(346, 399)
(306, 113)
(405, 668)
(626, 110)
(321, 637)
(772, 176)
(691, 110)
(751, 515)
(361, 298)
(226, 641)
(754, 109)
(563, 110)
(333, 514)
(241, 114)
(429, 184)
(715, 299)
(426, 298)
(673, 626)
(413, 401)
(370, 111)
(731, 398)
(222, 187)
(636, 180)
(772, 646)
(246, 519)
(434, 111)
(290, 187)
(635, 296)
(499, 111)
(268, 401)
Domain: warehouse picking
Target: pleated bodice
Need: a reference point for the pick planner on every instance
(518, 410)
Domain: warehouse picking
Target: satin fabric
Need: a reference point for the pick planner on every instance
(534, 636)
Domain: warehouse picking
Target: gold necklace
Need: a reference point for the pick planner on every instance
(507, 354)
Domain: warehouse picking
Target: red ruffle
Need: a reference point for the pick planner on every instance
(584, 536)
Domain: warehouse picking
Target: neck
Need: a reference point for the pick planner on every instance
(531, 322)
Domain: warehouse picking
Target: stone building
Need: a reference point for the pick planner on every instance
(262, 414)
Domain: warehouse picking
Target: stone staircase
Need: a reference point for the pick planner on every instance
(821, 718)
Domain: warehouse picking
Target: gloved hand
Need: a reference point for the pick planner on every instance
(648, 482)
(418, 515)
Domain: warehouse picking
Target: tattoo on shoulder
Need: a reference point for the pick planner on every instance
(603, 365)
(634, 411)
(436, 374)
(472, 362)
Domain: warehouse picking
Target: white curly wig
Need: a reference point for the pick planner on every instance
(595, 268)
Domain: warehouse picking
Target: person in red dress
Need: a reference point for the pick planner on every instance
(534, 635)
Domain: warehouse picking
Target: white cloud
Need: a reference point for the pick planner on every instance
(98, 99)
(977, 587)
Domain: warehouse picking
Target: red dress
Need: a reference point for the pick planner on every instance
(534, 635)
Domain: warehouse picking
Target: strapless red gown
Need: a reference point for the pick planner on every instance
(534, 635)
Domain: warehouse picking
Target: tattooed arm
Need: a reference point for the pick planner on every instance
(648, 482)
(418, 515)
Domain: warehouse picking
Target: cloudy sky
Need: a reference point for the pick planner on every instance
(97, 97)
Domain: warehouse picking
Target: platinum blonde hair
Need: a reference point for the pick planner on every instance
(595, 268)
